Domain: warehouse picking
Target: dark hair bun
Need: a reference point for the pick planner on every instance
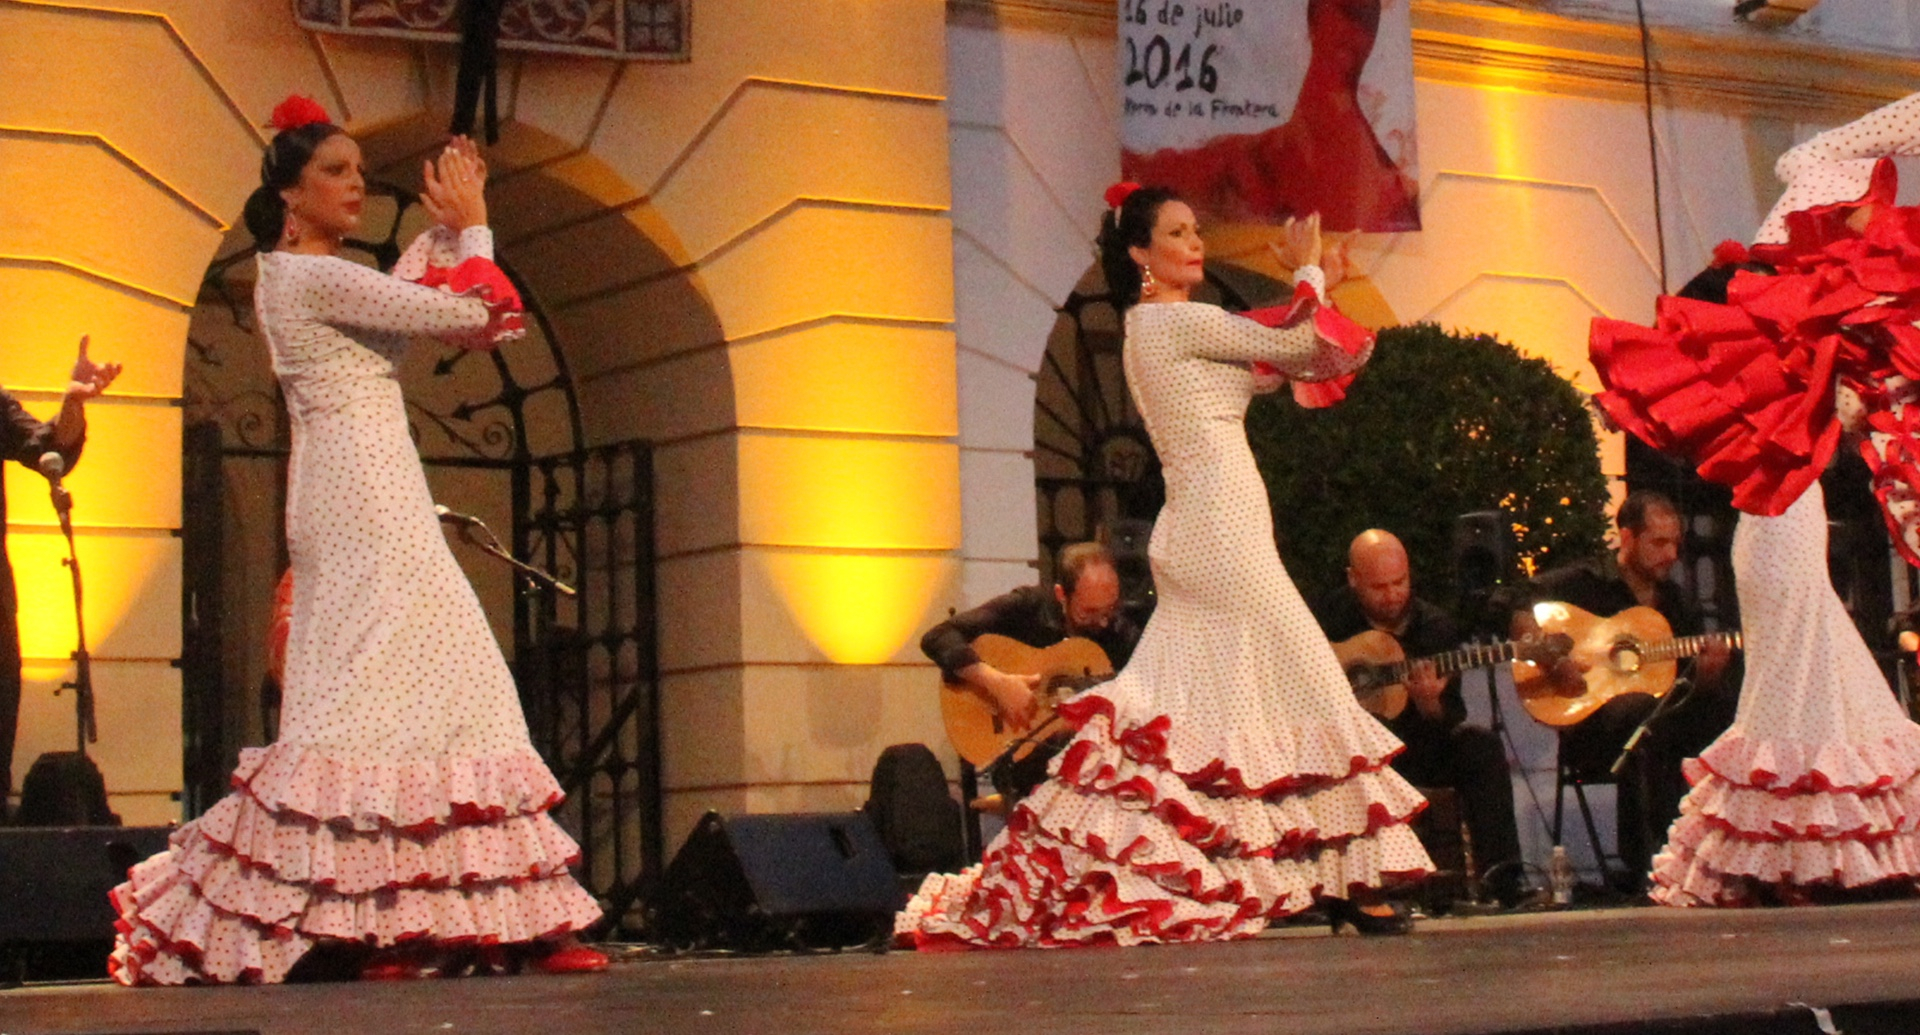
(265, 216)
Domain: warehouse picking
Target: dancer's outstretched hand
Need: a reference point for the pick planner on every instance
(1301, 242)
(89, 379)
(454, 191)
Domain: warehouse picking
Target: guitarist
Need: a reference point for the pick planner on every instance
(1651, 785)
(1083, 601)
(1442, 751)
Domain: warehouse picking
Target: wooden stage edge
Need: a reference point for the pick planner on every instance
(1640, 968)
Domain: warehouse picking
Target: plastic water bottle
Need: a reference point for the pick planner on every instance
(1560, 876)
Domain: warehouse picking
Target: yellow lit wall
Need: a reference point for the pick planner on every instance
(117, 157)
(746, 259)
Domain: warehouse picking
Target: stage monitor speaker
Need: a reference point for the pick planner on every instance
(64, 789)
(772, 882)
(54, 880)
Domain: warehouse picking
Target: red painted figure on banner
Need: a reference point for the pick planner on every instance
(1325, 158)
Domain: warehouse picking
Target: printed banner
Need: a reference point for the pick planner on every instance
(637, 30)
(1259, 110)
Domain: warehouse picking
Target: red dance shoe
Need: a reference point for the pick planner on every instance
(574, 959)
(390, 969)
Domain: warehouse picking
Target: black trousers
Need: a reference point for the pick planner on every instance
(1647, 800)
(1472, 761)
(9, 680)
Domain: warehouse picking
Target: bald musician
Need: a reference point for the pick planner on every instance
(1442, 750)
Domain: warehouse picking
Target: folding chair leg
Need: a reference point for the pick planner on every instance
(1600, 855)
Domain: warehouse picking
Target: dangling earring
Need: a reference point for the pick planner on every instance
(1147, 284)
(290, 233)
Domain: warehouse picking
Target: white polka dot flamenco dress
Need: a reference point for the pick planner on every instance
(1814, 784)
(1227, 776)
(403, 800)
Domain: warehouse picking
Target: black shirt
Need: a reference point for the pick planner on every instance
(1029, 614)
(1596, 586)
(22, 438)
(1429, 631)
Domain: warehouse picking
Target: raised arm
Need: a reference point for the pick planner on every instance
(348, 295)
(1837, 165)
(1315, 344)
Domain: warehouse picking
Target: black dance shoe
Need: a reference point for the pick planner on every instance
(1344, 912)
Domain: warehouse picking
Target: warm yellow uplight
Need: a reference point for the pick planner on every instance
(848, 493)
(849, 376)
(133, 595)
(858, 609)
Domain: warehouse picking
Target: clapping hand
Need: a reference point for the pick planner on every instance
(89, 379)
(1301, 239)
(455, 187)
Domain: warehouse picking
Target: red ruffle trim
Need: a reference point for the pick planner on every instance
(1146, 744)
(1118, 849)
(316, 846)
(480, 278)
(1331, 326)
(1745, 390)
(413, 795)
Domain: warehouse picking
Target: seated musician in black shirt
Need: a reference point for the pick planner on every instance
(1651, 784)
(1442, 751)
(1084, 601)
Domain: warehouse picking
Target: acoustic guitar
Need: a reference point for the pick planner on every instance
(1378, 667)
(974, 724)
(1634, 652)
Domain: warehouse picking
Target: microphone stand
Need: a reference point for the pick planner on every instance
(88, 731)
(476, 533)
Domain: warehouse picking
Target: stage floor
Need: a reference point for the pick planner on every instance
(1493, 974)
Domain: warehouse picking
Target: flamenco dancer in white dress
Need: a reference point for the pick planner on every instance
(403, 807)
(1227, 776)
(1813, 792)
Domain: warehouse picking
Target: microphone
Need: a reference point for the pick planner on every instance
(53, 465)
(447, 514)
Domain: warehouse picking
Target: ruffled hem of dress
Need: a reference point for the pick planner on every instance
(1112, 851)
(1098, 766)
(413, 795)
(1148, 741)
(197, 915)
(295, 849)
(1705, 864)
(1813, 817)
(1790, 767)
(1752, 813)
(1039, 891)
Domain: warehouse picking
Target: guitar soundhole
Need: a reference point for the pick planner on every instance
(1626, 657)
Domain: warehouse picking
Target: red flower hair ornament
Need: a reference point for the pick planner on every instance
(296, 111)
(1118, 194)
(1729, 253)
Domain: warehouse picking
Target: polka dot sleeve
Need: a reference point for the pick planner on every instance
(1837, 165)
(1300, 352)
(346, 294)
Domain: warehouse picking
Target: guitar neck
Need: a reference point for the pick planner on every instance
(1474, 655)
(1688, 646)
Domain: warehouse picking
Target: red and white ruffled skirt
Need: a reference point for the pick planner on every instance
(313, 846)
(1814, 785)
(1274, 791)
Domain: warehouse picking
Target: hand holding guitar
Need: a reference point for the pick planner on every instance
(1424, 687)
(1001, 700)
(1013, 695)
